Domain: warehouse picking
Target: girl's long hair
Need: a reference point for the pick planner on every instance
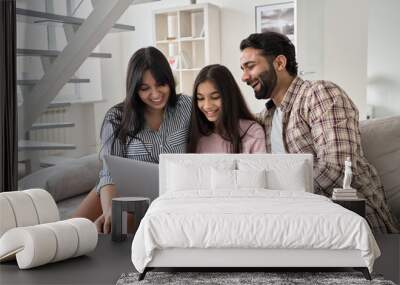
(129, 120)
(234, 108)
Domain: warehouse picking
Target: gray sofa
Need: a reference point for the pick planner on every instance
(381, 144)
(67, 182)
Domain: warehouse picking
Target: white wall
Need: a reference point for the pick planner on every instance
(113, 79)
(383, 57)
(345, 48)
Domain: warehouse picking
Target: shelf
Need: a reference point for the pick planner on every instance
(38, 17)
(167, 41)
(54, 53)
(192, 23)
(186, 39)
(28, 82)
(191, 39)
(37, 145)
(188, 69)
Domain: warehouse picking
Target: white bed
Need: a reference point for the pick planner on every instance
(229, 216)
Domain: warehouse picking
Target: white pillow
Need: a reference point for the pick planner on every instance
(293, 179)
(183, 177)
(236, 179)
(223, 179)
(281, 174)
(251, 178)
(189, 176)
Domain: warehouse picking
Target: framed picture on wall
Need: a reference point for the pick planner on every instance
(277, 18)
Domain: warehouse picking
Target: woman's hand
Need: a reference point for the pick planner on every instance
(103, 223)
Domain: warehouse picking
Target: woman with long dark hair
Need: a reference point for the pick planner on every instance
(152, 119)
(221, 121)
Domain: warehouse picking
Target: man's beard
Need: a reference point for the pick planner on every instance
(267, 81)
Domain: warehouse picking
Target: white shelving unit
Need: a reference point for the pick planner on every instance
(189, 37)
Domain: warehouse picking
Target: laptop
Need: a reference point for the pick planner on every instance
(133, 178)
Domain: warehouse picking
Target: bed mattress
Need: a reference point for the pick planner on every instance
(250, 219)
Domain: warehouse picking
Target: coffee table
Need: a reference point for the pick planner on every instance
(104, 265)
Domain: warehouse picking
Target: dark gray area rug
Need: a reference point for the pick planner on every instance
(273, 278)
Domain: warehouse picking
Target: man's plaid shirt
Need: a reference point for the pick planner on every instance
(319, 118)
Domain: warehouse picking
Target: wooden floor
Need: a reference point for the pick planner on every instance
(102, 266)
(110, 259)
(389, 262)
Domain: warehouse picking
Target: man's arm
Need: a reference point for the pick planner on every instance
(333, 119)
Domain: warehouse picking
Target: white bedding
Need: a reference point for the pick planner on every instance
(252, 218)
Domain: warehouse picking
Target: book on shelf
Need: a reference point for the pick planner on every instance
(341, 190)
(345, 198)
(341, 197)
(344, 194)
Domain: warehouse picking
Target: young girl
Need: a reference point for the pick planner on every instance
(151, 120)
(221, 121)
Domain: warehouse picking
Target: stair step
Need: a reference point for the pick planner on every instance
(41, 126)
(136, 2)
(38, 17)
(38, 145)
(59, 105)
(34, 81)
(54, 53)
(54, 160)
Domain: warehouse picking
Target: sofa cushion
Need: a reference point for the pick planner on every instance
(67, 179)
(380, 140)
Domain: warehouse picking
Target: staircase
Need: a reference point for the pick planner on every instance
(59, 67)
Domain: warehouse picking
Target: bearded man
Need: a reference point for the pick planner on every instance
(311, 117)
